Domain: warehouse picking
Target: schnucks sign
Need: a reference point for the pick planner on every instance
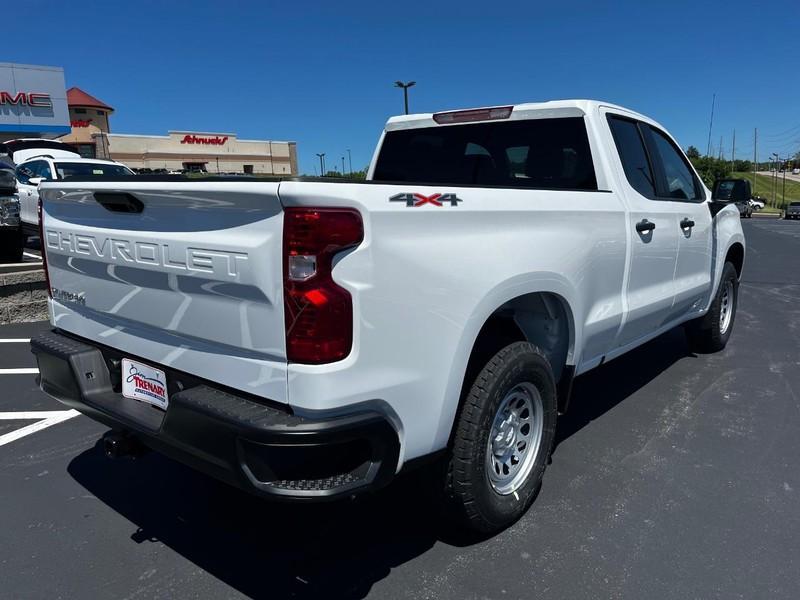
(217, 140)
(33, 101)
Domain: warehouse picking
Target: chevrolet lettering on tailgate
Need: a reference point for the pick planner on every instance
(201, 260)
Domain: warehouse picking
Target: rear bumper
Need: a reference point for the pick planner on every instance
(242, 441)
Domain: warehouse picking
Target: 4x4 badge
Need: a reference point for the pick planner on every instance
(418, 199)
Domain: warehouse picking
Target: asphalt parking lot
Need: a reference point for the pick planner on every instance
(674, 476)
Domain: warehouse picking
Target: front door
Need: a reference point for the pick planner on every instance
(682, 186)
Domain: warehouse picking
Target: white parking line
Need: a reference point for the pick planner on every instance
(28, 414)
(31, 371)
(53, 417)
(15, 341)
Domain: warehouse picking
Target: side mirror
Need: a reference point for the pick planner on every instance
(731, 190)
(35, 180)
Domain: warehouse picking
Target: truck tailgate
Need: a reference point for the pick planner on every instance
(183, 274)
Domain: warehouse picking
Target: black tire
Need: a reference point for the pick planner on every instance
(707, 334)
(10, 245)
(472, 497)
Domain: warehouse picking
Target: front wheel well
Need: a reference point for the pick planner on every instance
(735, 256)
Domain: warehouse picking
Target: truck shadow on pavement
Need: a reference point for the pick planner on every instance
(334, 550)
(601, 389)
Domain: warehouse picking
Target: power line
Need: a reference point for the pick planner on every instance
(787, 133)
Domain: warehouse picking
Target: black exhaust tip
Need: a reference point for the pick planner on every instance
(122, 445)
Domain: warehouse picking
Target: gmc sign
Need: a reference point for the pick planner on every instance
(32, 99)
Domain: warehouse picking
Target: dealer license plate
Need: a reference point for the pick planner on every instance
(144, 383)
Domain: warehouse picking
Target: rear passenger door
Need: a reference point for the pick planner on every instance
(654, 232)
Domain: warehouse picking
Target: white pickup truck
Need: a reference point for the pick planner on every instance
(309, 338)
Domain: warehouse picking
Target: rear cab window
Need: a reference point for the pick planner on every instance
(632, 154)
(548, 153)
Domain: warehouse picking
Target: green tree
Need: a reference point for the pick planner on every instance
(693, 153)
(710, 168)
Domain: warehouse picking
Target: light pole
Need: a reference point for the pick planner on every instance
(350, 161)
(775, 186)
(405, 87)
(321, 164)
(783, 193)
(343, 166)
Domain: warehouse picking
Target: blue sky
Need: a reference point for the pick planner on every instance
(321, 73)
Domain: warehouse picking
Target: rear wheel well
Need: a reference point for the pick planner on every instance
(541, 318)
(736, 257)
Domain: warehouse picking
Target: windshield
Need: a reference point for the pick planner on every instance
(73, 169)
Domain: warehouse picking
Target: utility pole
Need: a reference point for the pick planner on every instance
(350, 161)
(733, 152)
(710, 125)
(783, 194)
(343, 166)
(720, 147)
(755, 156)
(321, 163)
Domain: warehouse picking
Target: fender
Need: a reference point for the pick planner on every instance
(726, 231)
(529, 283)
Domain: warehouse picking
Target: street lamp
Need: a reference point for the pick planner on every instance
(775, 186)
(405, 87)
(350, 161)
(321, 163)
(343, 166)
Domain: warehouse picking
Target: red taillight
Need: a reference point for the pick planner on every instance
(474, 114)
(318, 312)
(43, 248)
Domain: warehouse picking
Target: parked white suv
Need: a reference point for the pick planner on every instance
(47, 167)
(309, 338)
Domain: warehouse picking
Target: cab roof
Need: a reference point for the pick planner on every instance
(527, 110)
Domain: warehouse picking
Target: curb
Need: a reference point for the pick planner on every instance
(767, 215)
(17, 267)
(23, 295)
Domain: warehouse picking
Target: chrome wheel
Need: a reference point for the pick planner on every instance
(515, 438)
(726, 306)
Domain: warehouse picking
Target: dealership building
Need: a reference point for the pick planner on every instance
(196, 150)
(35, 103)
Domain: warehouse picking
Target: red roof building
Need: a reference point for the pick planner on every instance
(77, 97)
(89, 121)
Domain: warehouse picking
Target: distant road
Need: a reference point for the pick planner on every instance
(780, 175)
